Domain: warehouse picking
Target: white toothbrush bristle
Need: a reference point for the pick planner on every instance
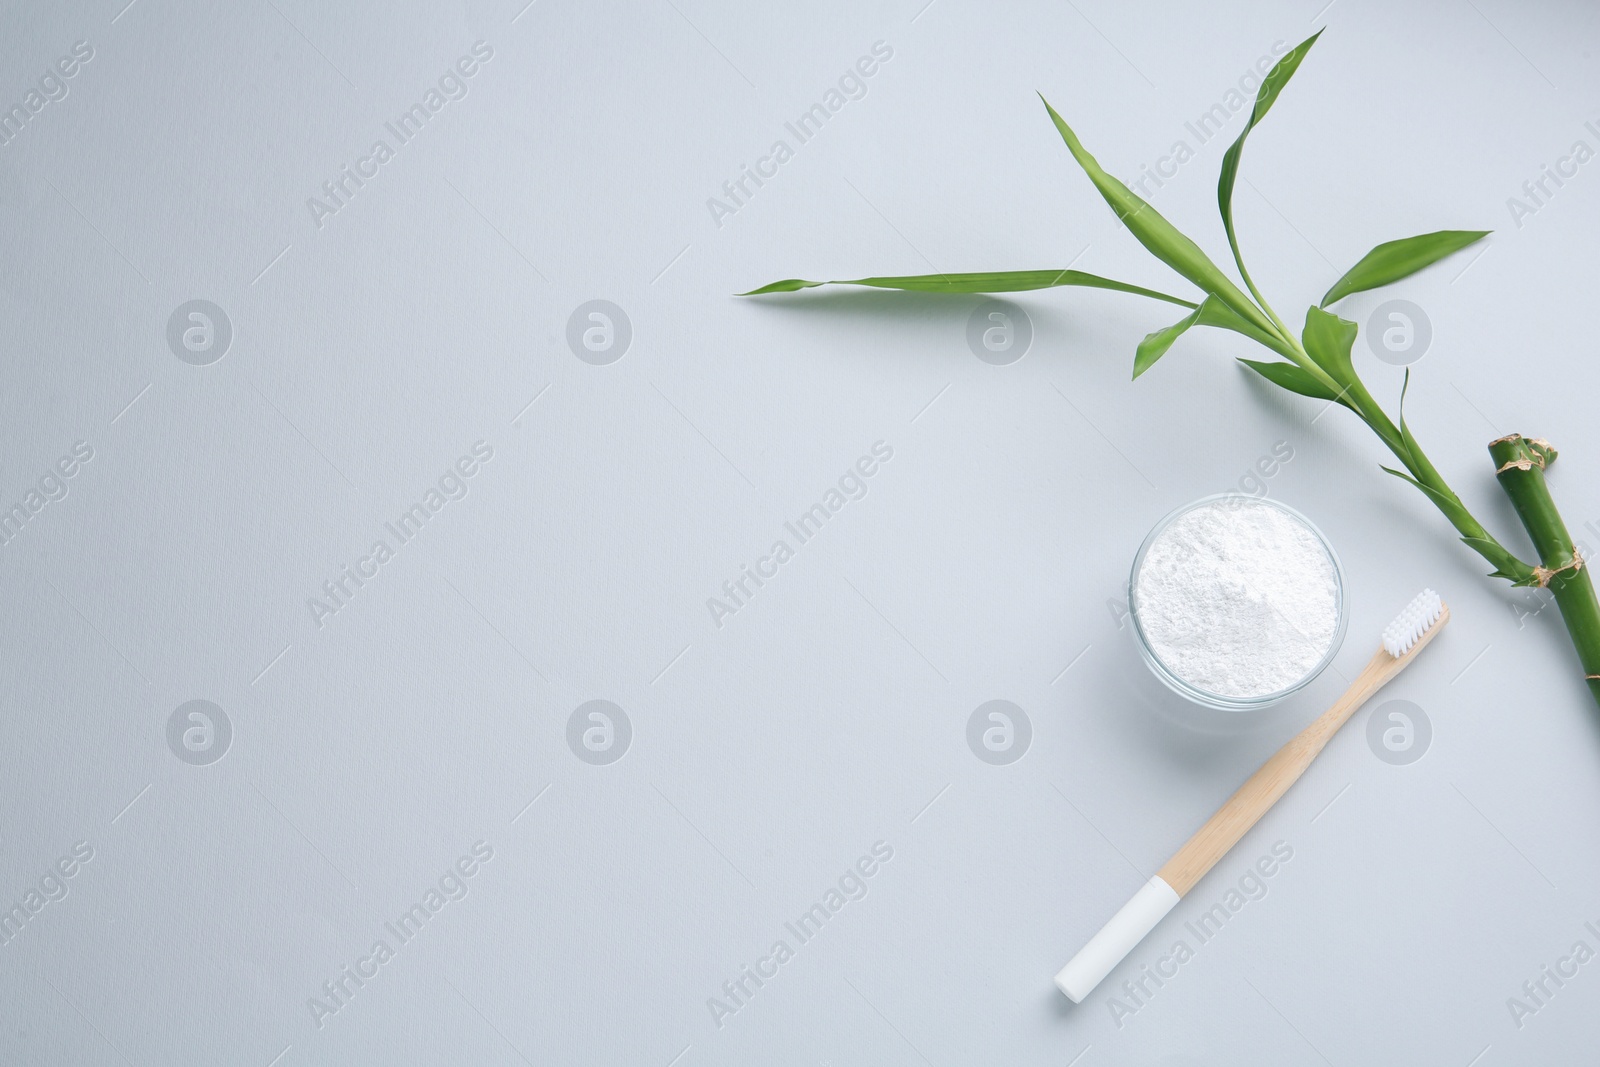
(1409, 626)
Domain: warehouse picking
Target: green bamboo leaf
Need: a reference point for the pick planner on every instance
(1292, 378)
(1506, 565)
(1164, 240)
(1215, 313)
(1410, 443)
(1006, 281)
(1211, 312)
(1327, 339)
(1155, 345)
(1266, 96)
(1452, 507)
(1393, 260)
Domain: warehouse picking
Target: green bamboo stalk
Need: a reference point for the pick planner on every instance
(1520, 464)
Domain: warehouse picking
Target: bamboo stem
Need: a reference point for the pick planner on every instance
(1520, 464)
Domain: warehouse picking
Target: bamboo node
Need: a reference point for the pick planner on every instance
(1545, 575)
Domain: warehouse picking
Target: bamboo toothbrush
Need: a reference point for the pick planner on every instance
(1403, 638)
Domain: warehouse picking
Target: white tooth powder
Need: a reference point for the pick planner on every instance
(1238, 598)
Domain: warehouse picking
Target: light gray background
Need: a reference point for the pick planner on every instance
(767, 755)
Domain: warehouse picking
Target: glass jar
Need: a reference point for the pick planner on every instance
(1195, 692)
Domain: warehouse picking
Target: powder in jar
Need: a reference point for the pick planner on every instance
(1238, 598)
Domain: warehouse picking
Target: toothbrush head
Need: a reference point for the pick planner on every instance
(1419, 616)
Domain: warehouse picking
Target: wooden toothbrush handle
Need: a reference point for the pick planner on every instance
(1243, 810)
(1263, 789)
(1157, 897)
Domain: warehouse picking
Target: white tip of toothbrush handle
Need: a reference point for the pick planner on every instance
(1116, 939)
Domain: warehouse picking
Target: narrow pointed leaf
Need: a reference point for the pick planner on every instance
(1419, 462)
(1412, 448)
(1505, 564)
(1266, 96)
(1155, 345)
(1164, 240)
(1393, 260)
(1292, 378)
(1215, 313)
(1453, 509)
(1006, 281)
(1327, 339)
(1211, 312)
